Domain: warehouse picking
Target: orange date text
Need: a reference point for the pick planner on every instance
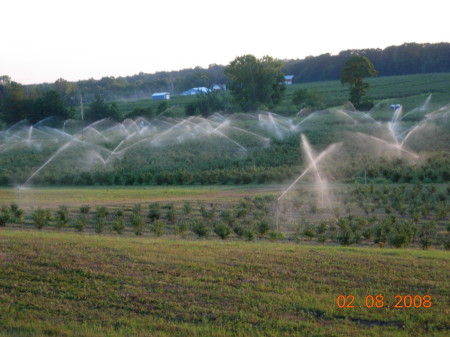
(379, 301)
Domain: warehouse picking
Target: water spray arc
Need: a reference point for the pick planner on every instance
(312, 166)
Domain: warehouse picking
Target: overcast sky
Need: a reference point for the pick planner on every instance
(43, 40)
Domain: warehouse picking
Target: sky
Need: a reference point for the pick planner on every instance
(45, 40)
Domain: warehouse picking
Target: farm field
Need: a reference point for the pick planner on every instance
(113, 195)
(55, 284)
(332, 222)
(410, 90)
(395, 215)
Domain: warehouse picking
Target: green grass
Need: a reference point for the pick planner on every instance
(54, 196)
(127, 106)
(77, 285)
(409, 90)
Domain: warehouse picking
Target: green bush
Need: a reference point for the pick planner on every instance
(137, 220)
(62, 216)
(119, 223)
(181, 228)
(262, 227)
(85, 209)
(222, 231)
(402, 233)
(207, 214)
(199, 228)
(170, 213)
(274, 236)
(426, 233)
(158, 227)
(309, 231)
(446, 242)
(81, 222)
(381, 232)
(16, 213)
(322, 227)
(227, 216)
(40, 217)
(238, 230)
(154, 211)
(100, 219)
(187, 208)
(346, 237)
(83, 219)
(4, 216)
(249, 235)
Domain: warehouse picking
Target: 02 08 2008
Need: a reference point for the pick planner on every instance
(379, 301)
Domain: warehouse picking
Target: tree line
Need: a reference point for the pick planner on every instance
(35, 102)
(406, 59)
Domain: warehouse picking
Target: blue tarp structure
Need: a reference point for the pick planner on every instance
(159, 96)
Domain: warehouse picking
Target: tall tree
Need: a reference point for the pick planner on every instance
(255, 82)
(355, 69)
(15, 104)
(49, 104)
(100, 109)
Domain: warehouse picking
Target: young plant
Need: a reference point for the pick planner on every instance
(119, 224)
(154, 211)
(158, 227)
(426, 234)
(187, 208)
(181, 228)
(100, 219)
(222, 231)
(402, 233)
(4, 216)
(274, 236)
(137, 220)
(16, 213)
(170, 213)
(249, 235)
(199, 228)
(62, 217)
(40, 218)
(262, 227)
(207, 214)
(309, 231)
(83, 219)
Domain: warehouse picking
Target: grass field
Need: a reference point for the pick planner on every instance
(52, 197)
(82, 285)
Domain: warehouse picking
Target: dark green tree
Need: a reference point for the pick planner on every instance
(355, 69)
(15, 104)
(100, 109)
(254, 82)
(49, 104)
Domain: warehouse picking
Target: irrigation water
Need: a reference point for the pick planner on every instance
(101, 144)
(312, 166)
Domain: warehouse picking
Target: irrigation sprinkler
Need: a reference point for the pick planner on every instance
(82, 117)
(312, 165)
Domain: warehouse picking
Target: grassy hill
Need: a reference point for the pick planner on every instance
(82, 285)
(409, 90)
